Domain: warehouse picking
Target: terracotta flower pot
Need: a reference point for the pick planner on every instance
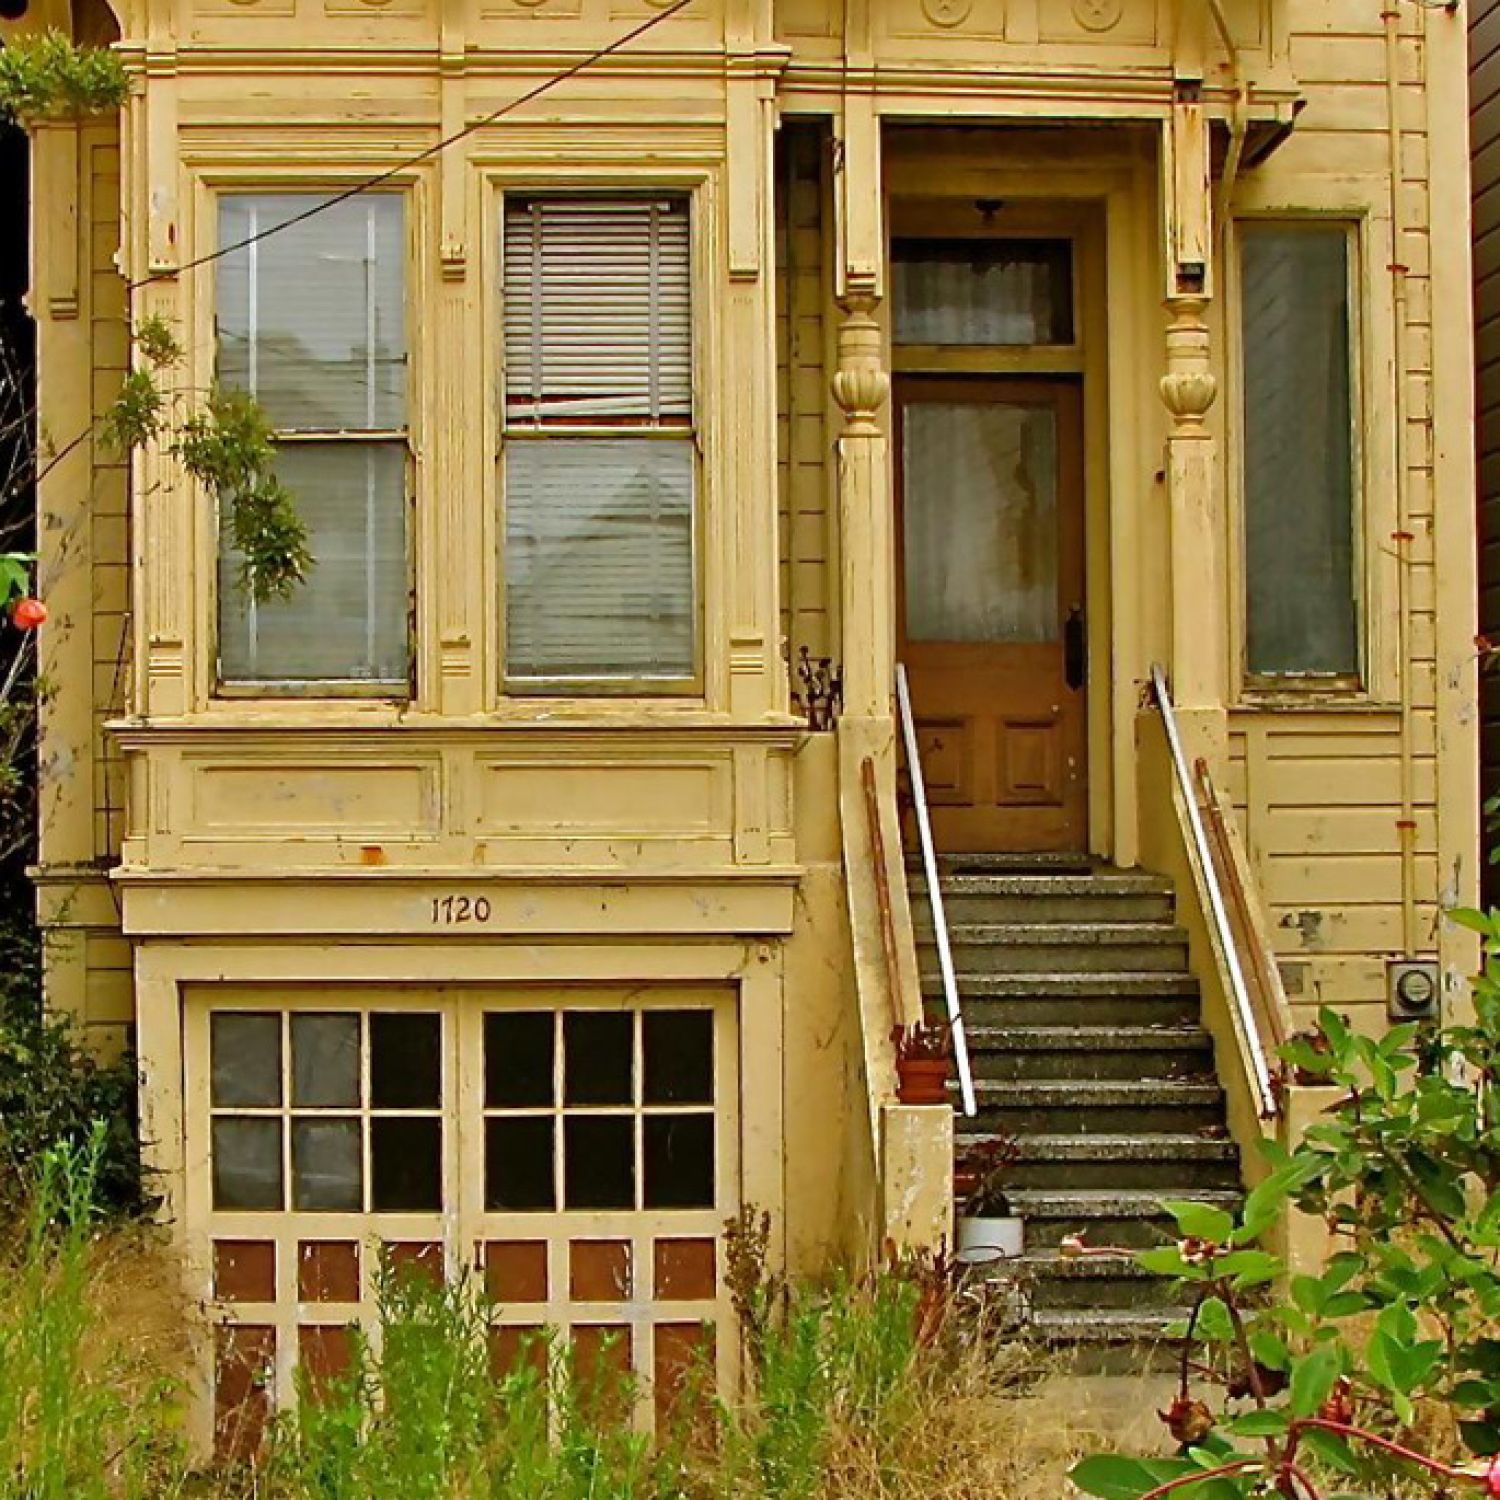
(922, 1080)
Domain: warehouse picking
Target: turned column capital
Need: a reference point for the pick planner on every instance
(861, 384)
(1189, 387)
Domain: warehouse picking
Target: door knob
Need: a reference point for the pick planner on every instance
(1075, 649)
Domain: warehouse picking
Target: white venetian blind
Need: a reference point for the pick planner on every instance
(598, 310)
(599, 455)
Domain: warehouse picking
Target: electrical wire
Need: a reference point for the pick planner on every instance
(426, 154)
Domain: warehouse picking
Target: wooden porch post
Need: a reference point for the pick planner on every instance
(1189, 388)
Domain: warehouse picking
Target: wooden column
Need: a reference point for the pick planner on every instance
(1188, 390)
(861, 386)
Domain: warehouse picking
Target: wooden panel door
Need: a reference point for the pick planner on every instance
(991, 607)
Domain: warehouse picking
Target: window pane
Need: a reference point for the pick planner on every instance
(1299, 459)
(247, 1164)
(348, 621)
(518, 1059)
(980, 513)
(598, 309)
(518, 1164)
(312, 319)
(599, 558)
(325, 1061)
(406, 1061)
(982, 291)
(245, 1067)
(679, 1056)
(327, 1174)
(599, 1161)
(406, 1165)
(598, 1057)
(679, 1159)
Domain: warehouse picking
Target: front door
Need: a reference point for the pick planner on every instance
(991, 607)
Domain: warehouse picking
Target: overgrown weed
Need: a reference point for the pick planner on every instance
(87, 1406)
(887, 1386)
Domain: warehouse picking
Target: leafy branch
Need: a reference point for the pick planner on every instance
(48, 76)
(227, 444)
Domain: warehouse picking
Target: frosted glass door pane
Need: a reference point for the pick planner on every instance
(981, 519)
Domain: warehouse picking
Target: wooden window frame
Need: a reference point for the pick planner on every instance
(1365, 220)
(646, 690)
(464, 1226)
(397, 694)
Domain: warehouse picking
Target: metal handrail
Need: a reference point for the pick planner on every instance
(935, 895)
(1243, 1011)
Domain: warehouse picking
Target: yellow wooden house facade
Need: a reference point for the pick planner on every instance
(508, 895)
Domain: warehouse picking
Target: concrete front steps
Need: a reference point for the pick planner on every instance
(1088, 1049)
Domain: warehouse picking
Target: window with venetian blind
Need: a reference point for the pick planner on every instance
(599, 454)
(311, 320)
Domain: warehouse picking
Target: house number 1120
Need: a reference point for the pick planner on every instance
(459, 911)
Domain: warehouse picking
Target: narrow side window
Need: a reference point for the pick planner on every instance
(1300, 463)
(599, 452)
(311, 320)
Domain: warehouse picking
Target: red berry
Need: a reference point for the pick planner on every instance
(27, 614)
(1492, 1478)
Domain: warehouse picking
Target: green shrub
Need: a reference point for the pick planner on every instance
(55, 1092)
(1381, 1373)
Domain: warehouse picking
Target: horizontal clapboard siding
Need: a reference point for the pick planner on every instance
(1484, 105)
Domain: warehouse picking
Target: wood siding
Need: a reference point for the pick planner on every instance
(1484, 105)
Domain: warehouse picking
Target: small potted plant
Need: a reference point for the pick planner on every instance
(922, 1061)
(987, 1229)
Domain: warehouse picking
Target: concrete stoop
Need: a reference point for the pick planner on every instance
(1088, 1048)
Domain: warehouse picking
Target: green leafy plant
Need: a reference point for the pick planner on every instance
(226, 443)
(57, 1094)
(1348, 1382)
(47, 76)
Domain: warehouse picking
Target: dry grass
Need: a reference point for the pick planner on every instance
(894, 1413)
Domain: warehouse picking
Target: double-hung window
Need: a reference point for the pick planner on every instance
(311, 321)
(1301, 474)
(600, 459)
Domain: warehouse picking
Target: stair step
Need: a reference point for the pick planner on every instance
(1104, 897)
(1048, 947)
(1071, 1038)
(1130, 1218)
(1165, 1162)
(1066, 1106)
(1098, 998)
(1009, 864)
(1130, 1341)
(1104, 1053)
(1098, 1281)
